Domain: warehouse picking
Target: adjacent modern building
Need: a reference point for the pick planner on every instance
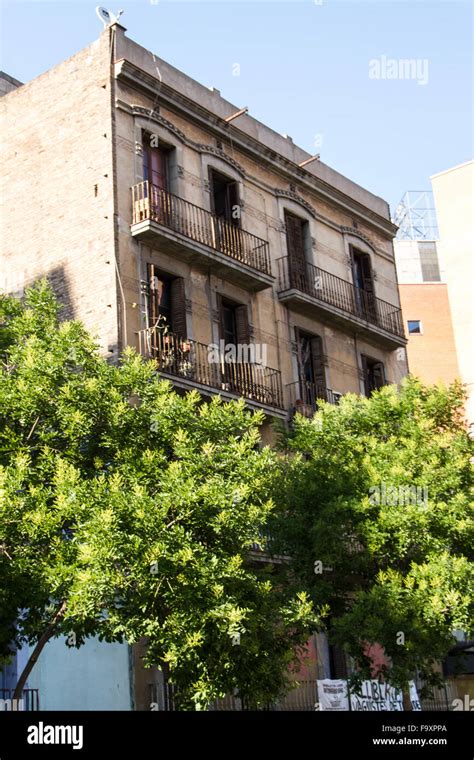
(171, 220)
(434, 250)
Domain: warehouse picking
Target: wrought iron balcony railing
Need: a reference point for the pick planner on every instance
(157, 205)
(335, 291)
(304, 396)
(193, 361)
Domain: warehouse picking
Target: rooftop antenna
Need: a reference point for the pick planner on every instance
(106, 16)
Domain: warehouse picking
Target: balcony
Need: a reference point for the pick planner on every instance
(199, 237)
(316, 292)
(304, 397)
(189, 365)
(29, 701)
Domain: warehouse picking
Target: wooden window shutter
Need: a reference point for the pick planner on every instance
(155, 163)
(242, 324)
(296, 249)
(210, 175)
(368, 285)
(338, 662)
(153, 296)
(367, 274)
(317, 358)
(178, 307)
(298, 345)
(221, 315)
(378, 372)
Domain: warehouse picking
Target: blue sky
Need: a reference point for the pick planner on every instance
(304, 71)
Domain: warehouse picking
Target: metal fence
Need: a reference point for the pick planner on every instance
(29, 701)
(302, 699)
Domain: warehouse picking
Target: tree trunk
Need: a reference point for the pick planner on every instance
(45, 637)
(406, 699)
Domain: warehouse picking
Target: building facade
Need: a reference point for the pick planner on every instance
(169, 219)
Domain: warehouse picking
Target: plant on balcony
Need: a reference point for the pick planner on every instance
(128, 511)
(173, 351)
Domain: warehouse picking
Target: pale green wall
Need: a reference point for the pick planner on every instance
(94, 677)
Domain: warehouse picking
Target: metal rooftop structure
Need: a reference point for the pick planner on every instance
(415, 216)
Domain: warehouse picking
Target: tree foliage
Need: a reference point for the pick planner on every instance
(376, 491)
(128, 511)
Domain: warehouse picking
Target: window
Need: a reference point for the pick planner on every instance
(229, 325)
(337, 662)
(224, 197)
(312, 376)
(234, 323)
(414, 327)
(296, 235)
(237, 370)
(364, 285)
(429, 262)
(155, 162)
(166, 301)
(374, 374)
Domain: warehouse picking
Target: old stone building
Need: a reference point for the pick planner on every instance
(171, 222)
(168, 226)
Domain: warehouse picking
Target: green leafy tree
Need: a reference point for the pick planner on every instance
(129, 511)
(376, 515)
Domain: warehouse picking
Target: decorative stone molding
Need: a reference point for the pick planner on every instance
(220, 154)
(294, 347)
(180, 170)
(138, 148)
(188, 304)
(297, 198)
(156, 117)
(357, 233)
(281, 227)
(216, 316)
(206, 185)
(313, 242)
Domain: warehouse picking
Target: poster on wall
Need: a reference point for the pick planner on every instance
(414, 698)
(332, 695)
(376, 696)
(373, 696)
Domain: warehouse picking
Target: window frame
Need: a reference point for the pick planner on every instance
(420, 325)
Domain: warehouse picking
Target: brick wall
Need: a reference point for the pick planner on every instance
(431, 355)
(57, 217)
